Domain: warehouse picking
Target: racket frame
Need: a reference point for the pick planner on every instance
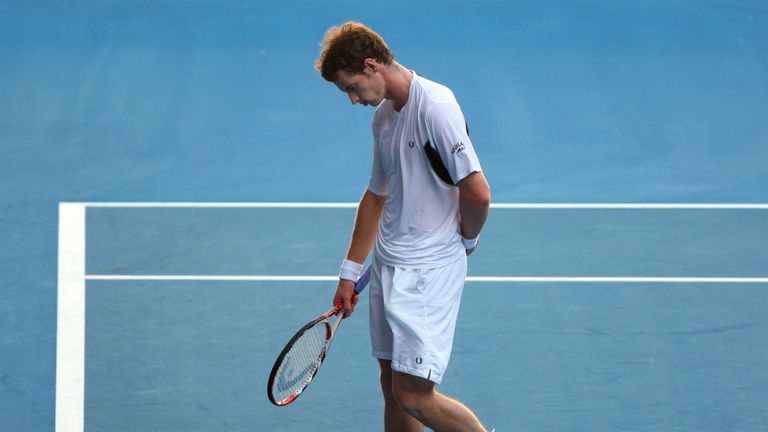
(330, 332)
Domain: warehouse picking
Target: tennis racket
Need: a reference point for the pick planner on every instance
(303, 355)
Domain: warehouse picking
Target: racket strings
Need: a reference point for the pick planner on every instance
(301, 362)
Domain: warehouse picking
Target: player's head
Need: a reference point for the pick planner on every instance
(346, 47)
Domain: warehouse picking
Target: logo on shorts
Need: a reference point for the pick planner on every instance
(418, 360)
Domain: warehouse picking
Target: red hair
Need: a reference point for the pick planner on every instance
(346, 47)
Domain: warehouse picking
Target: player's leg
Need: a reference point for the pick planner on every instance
(419, 398)
(422, 309)
(395, 419)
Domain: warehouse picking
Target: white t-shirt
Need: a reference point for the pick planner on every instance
(420, 223)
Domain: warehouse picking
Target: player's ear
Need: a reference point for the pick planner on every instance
(371, 64)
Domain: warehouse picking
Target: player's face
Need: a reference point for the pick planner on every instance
(366, 88)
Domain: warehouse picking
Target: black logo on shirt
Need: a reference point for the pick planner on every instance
(411, 144)
(458, 148)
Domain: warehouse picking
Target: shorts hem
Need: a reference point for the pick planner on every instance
(428, 373)
(382, 355)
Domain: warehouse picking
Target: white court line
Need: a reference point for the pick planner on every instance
(630, 279)
(70, 338)
(221, 204)
(630, 206)
(221, 278)
(495, 279)
(679, 206)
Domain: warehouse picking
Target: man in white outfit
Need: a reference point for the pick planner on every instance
(422, 212)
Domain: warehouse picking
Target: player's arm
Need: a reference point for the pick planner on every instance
(448, 132)
(366, 226)
(474, 202)
(363, 237)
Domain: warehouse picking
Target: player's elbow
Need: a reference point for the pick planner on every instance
(483, 197)
(475, 190)
(480, 200)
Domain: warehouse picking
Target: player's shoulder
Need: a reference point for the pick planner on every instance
(434, 92)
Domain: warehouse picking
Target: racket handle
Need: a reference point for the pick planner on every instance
(335, 324)
(362, 282)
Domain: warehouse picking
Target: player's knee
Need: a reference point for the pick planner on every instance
(410, 402)
(412, 399)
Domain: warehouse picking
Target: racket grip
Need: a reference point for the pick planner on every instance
(362, 282)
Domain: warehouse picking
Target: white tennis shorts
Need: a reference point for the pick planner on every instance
(413, 316)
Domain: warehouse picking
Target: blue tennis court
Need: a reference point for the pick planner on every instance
(177, 189)
(186, 306)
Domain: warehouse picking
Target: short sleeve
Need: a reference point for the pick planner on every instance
(447, 132)
(378, 181)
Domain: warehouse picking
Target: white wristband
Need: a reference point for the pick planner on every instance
(470, 244)
(350, 270)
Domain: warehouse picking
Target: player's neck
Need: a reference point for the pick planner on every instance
(398, 84)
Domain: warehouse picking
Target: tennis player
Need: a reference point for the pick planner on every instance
(422, 212)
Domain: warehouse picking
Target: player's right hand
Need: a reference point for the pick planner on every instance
(346, 296)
